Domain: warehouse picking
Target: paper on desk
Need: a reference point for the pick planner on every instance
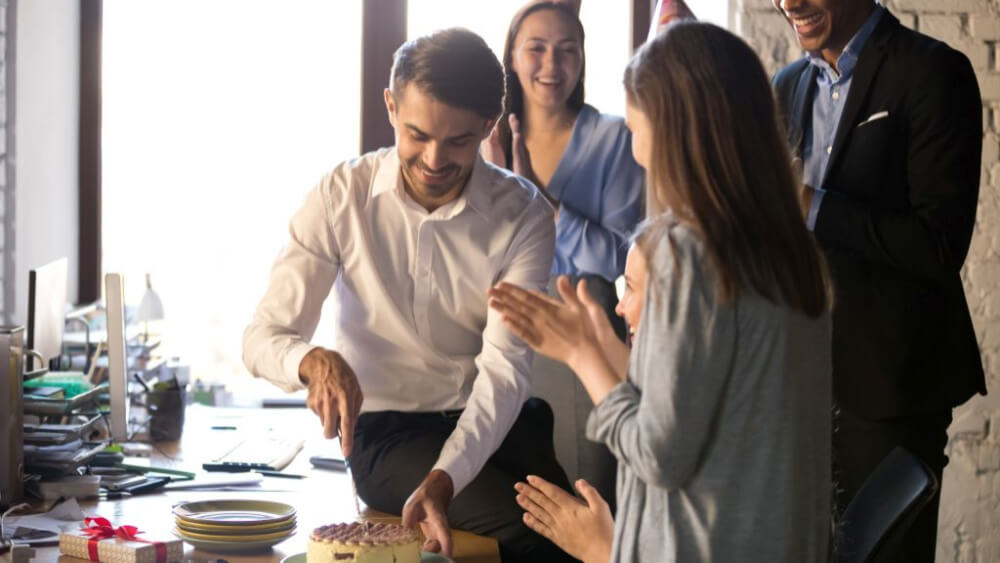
(64, 516)
(216, 481)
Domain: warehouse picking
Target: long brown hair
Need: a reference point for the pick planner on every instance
(513, 102)
(720, 163)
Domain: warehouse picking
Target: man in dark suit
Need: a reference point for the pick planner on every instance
(888, 125)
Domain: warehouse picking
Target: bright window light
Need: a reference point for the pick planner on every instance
(219, 117)
(715, 11)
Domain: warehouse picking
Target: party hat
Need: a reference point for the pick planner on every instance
(668, 11)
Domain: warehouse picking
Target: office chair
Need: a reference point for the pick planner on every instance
(884, 509)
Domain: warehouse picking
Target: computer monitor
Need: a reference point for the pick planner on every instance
(47, 310)
(117, 353)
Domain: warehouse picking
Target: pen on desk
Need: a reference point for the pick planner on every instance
(111, 495)
(269, 473)
(151, 469)
(223, 428)
(141, 381)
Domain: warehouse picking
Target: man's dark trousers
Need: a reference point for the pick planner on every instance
(394, 451)
(860, 444)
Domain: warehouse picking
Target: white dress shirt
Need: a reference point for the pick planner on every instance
(411, 285)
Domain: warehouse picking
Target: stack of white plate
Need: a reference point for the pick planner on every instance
(231, 526)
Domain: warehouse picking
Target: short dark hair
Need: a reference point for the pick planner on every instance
(455, 66)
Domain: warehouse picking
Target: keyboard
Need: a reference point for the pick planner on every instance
(266, 452)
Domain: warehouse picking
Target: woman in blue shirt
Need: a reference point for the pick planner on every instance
(581, 159)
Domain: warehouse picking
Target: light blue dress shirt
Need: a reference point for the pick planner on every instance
(828, 105)
(599, 187)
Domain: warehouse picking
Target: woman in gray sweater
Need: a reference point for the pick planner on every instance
(720, 416)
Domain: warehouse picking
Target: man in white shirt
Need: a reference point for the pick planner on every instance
(426, 386)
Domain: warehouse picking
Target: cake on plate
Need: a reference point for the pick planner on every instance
(363, 542)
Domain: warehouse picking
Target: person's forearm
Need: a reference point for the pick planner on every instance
(595, 371)
(618, 357)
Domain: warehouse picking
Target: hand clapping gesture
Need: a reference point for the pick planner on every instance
(566, 330)
(582, 528)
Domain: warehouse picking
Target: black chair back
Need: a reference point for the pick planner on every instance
(885, 507)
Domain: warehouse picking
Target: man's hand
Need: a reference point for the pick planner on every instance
(427, 506)
(334, 394)
(583, 529)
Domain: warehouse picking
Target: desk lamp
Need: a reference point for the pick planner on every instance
(150, 309)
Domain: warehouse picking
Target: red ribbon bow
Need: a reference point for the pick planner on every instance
(98, 529)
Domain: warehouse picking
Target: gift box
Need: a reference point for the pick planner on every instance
(98, 540)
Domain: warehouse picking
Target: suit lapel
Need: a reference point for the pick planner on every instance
(801, 110)
(869, 62)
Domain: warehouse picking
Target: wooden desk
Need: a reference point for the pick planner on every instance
(322, 498)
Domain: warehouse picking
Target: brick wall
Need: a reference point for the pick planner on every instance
(969, 529)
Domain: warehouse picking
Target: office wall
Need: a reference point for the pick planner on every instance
(47, 115)
(7, 38)
(969, 529)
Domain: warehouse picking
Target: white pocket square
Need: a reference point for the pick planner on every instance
(874, 117)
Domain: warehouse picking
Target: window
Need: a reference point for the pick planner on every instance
(715, 11)
(218, 119)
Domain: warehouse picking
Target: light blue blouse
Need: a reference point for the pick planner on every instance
(599, 187)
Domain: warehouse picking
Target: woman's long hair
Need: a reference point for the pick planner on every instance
(720, 163)
(513, 102)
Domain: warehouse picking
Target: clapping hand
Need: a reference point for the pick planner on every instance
(557, 329)
(582, 528)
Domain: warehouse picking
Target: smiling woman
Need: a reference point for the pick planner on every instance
(218, 118)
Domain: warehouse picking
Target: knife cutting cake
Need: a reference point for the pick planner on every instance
(363, 542)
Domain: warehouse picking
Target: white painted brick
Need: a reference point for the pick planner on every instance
(909, 19)
(977, 51)
(989, 89)
(995, 108)
(970, 425)
(991, 148)
(984, 26)
(947, 28)
(940, 5)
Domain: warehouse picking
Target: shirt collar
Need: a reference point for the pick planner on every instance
(389, 178)
(848, 59)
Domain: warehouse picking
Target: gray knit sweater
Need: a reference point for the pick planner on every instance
(722, 431)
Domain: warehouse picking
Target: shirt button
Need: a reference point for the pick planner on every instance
(829, 149)
(836, 95)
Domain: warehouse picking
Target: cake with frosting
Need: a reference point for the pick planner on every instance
(363, 542)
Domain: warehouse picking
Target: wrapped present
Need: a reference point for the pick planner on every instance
(668, 11)
(98, 540)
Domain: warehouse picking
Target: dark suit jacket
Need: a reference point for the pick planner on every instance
(896, 221)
